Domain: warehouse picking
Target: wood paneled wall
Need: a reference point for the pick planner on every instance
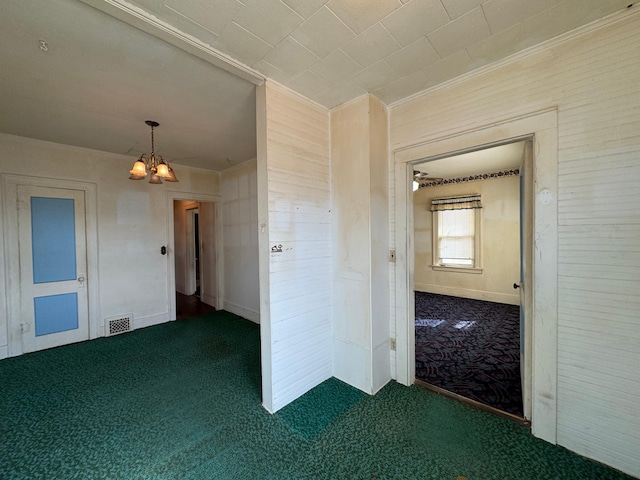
(294, 177)
(594, 82)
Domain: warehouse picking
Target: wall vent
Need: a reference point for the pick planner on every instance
(121, 324)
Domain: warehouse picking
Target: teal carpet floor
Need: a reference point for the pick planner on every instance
(182, 401)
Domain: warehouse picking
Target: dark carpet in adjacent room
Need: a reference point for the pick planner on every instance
(470, 347)
(182, 401)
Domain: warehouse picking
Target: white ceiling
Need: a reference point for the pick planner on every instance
(489, 160)
(101, 77)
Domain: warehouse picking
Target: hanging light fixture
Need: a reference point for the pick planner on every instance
(153, 164)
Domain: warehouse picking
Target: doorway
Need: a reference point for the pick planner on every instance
(467, 258)
(540, 286)
(52, 249)
(194, 257)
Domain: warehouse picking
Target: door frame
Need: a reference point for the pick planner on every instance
(542, 126)
(10, 184)
(216, 200)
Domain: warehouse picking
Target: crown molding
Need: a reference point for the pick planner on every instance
(616, 17)
(142, 20)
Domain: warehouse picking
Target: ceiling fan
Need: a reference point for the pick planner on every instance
(423, 177)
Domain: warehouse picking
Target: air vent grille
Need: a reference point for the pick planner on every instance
(119, 325)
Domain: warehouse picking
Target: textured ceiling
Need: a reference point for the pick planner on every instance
(333, 51)
(192, 65)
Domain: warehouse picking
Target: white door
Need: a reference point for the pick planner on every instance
(53, 266)
(208, 268)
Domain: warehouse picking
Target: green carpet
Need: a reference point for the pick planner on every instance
(182, 401)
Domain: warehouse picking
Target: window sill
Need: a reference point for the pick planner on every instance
(441, 268)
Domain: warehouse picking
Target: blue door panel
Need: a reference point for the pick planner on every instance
(53, 237)
(56, 313)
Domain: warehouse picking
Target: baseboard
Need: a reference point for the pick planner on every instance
(243, 312)
(157, 319)
(208, 299)
(468, 293)
(4, 351)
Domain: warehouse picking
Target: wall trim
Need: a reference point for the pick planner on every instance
(150, 320)
(171, 261)
(540, 47)
(468, 293)
(143, 20)
(11, 252)
(241, 311)
(542, 345)
(4, 352)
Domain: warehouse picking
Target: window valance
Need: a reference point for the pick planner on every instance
(455, 203)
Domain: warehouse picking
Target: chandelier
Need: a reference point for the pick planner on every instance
(153, 164)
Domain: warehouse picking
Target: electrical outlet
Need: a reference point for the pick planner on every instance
(393, 344)
(392, 255)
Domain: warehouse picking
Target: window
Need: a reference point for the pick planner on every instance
(456, 233)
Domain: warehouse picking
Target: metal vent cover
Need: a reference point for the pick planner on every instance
(119, 325)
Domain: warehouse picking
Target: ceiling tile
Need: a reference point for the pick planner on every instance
(375, 76)
(405, 86)
(413, 57)
(271, 20)
(336, 67)
(309, 84)
(460, 33)
(291, 57)
(242, 45)
(502, 14)
(499, 45)
(272, 72)
(457, 8)
(305, 8)
(202, 14)
(402, 23)
(323, 33)
(371, 46)
(450, 67)
(361, 14)
(340, 93)
(568, 15)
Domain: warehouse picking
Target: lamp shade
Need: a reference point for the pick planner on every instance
(162, 169)
(155, 179)
(139, 169)
(172, 176)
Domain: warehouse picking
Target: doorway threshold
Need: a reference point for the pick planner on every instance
(473, 403)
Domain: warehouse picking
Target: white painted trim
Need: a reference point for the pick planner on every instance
(264, 250)
(150, 320)
(208, 299)
(543, 377)
(547, 44)
(139, 18)
(468, 293)
(4, 352)
(241, 311)
(10, 185)
(170, 242)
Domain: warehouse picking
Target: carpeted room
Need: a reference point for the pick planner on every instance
(182, 400)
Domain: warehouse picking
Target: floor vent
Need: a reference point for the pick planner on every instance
(119, 325)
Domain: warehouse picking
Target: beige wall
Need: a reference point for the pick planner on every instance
(360, 220)
(132, 224)
(593, 81)
(240, 231)
(500, 242)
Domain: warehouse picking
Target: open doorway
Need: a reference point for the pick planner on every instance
(194, 258)
(469, 328)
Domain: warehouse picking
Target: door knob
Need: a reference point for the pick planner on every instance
(81, 279)
(515, 285)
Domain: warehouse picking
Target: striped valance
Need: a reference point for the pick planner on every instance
(455, 203)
